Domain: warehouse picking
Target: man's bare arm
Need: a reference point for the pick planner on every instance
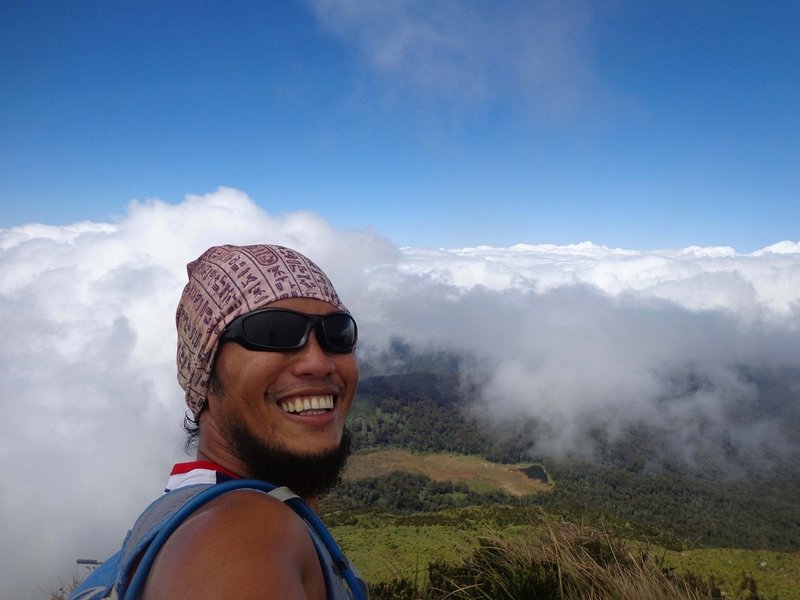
(244, 545)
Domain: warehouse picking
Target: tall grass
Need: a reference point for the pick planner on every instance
(65, 588)
(565, 561)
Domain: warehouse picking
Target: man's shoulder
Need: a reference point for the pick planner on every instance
(240, 536)
(241, 519)
(243, 509)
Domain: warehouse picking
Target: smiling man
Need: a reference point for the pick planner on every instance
(266, 359)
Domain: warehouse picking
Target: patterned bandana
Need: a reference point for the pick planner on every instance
(228, 281)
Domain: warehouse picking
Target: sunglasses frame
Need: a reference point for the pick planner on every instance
(235, 332)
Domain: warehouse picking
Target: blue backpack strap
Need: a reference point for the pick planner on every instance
(115, 570)
(340, 561)
(284, 494)
(139, 578)
(100, 581)
(147, 526)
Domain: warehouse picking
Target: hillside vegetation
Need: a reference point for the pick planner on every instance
(429, 491)
(411, 528)
(631, 481)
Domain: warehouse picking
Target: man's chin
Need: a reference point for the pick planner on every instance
(307, 474)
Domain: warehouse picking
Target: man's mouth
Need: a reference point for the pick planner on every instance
(312, 405)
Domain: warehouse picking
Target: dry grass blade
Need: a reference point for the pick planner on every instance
(564, 562)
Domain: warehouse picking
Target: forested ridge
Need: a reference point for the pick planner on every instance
(420, 407)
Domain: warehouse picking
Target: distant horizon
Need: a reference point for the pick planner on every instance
(426, 241)
(15, 233)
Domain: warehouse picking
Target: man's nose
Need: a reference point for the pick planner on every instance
(312, 359)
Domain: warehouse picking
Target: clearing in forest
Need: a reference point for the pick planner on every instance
(479, 474)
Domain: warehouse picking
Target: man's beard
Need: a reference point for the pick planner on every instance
(307, 475)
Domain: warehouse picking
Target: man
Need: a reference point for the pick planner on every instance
(266, 359)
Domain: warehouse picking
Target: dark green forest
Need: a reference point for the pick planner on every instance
(632, 483)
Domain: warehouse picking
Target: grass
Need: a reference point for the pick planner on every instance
(461, 545)
(555, 561)
(777, 573)
(562, 561)
(393, 548)
(479, 474)
(65, 587)
(401, 551)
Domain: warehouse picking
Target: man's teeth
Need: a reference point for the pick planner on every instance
(298, 405)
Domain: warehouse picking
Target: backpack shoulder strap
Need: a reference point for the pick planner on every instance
(114, 572)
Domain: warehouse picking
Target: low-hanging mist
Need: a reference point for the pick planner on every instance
(580, 338)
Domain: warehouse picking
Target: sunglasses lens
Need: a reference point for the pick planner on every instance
(286, 330)
(339, 332)
(275, 329)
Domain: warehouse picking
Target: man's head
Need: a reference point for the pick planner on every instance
(269, 324)
(226, 282)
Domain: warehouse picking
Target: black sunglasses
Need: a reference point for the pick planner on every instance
(281, 329)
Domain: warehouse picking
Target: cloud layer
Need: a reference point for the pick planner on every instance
(585, 338)
(578, 336)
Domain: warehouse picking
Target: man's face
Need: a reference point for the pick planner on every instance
(261, 393)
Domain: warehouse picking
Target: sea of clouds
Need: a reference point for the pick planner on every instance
(578, 336)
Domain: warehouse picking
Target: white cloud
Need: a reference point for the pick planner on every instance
(471, 53)
(578, 336)
(761, 285)
(89, 397)
(584, 336)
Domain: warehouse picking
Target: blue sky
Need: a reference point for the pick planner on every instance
(630, 124)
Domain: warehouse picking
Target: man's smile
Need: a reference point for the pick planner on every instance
(312, 405)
